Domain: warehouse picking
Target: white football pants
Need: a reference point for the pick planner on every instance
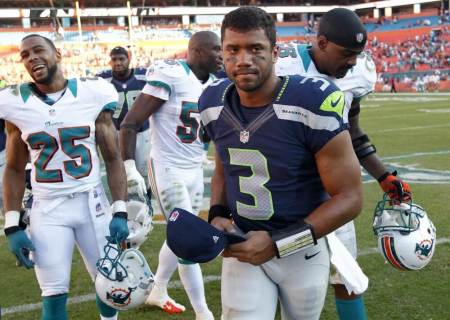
(299, 282)
(57, 225)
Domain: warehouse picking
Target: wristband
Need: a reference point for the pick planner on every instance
(385, 175)
(119, 206)
(12, 218)
(293, 239)
(363, 147)
(218, 210)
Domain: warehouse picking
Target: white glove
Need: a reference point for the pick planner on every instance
(135, 182)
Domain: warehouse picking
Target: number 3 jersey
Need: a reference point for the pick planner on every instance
(357, 83)
(268, 153)
(175, 126)
(60, 135)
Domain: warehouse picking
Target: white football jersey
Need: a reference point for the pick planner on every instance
(175, 126)
(357, 83)
(60, 135)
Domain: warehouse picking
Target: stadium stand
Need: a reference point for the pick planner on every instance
(411, 50)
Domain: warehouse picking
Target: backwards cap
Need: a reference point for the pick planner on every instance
(344, 28)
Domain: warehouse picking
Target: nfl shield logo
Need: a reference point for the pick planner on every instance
(52, 112)
(359, 37)
(244, 136)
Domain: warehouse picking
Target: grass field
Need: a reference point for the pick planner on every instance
(412, 134)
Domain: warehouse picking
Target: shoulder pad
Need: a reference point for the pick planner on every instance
(140, 71)
(214, 94)
(12, 89)
(89, 78)
(314, 93)
(104, 74)
(168, 67)
(365, 69)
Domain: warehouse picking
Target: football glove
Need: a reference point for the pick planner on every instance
(19, 243)
(396, 189)
(135, 182)
(118, 227)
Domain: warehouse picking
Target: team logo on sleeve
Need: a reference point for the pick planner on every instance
(335, 102)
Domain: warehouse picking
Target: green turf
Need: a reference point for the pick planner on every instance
(401, 130)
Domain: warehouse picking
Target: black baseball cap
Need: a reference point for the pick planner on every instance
(119, 50)
(343, 27)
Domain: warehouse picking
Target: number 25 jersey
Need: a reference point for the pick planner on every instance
(60, 135)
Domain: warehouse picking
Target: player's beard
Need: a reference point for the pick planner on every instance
(121, 74)
(256, 85)
(49, 78)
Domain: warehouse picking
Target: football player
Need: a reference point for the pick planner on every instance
(58, 123)
(129, 83)
(337, 55)
(176, 175)
(285, 174)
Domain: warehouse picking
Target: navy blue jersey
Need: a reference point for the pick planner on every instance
(128, 90)
(268, 153)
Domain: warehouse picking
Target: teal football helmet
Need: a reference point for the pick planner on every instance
(124, 279)
(406, 235)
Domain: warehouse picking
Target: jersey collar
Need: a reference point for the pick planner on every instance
(26, 89)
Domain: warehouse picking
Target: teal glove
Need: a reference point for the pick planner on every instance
(20, 245)
(118, 228)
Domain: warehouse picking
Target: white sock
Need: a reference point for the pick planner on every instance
(191, 277)
(109, 318)
(167, 265)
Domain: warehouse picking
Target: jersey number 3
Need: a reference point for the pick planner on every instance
(254, 185)
(49, 146)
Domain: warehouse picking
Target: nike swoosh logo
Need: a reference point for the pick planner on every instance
(311, 256)
(334, 103)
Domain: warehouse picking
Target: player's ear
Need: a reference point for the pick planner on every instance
(58, 55)
(322, 42)
(275, 50)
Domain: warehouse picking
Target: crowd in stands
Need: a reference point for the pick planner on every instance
(419, 53)
(93, 58)
(415, 61)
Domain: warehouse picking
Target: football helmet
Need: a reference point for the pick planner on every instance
(124, 279)
(406, 236)
(139, 223)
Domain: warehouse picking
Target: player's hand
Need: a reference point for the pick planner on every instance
(118, 228)
(135, 182)
(223, 224)
(396, 189)
(20, 245)
(257, 249)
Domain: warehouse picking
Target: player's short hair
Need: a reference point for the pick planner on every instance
(119, 50)
(49, 42)
(343, 27)
(250, 18)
